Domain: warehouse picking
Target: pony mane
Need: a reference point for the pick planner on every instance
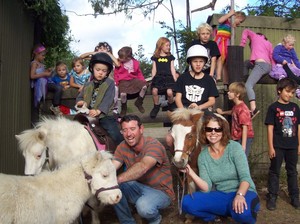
(182, 114)
(29, 137)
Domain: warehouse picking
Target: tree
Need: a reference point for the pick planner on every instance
(126, 6)
(145, 64)
(51, 29)
(279, 8)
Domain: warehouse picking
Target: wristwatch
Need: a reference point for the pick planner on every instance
(241, 194)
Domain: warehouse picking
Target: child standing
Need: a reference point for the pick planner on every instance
(282, 120)
(41, 80)
(241, 126)
(222, 39)
(285, 54)
(98, 94)
(204, 31)
(129, 79)
(163, 74)
(261, 61)
(79, 74)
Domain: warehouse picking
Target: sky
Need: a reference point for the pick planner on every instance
(118, 31)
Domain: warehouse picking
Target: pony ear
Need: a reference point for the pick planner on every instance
(196, 117)
(41, 134)
(90, 161)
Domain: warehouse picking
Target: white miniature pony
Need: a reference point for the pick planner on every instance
(58, 196)
(61, 138)
(54, 142)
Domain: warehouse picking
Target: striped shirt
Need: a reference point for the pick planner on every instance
(159, 176)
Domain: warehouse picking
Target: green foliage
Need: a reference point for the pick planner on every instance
(184, 36)
(145, 63)
(54, 29)
(125, 6)
(289, 9)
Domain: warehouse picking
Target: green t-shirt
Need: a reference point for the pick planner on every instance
(227, 172)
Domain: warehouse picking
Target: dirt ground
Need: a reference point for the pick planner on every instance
(284, 214)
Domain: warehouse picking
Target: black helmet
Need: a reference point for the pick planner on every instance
(101, 58)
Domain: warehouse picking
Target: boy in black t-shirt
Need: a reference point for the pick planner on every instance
(204, 32)
(283, 122)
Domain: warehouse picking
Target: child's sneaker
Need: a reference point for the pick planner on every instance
(254, 113)
(56, 111)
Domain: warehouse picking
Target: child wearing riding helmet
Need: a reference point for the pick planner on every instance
(98, 94)
(194, 89)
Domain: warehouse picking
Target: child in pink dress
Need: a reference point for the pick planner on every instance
(129, 79)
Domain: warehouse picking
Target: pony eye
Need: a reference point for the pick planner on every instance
(39, 156)
(190, 136)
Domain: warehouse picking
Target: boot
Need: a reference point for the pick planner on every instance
(155, 111)
(295, 202)
(123, 109)
(271, 202)
(139, 104)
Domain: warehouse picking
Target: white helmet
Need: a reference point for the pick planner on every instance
(196, 51)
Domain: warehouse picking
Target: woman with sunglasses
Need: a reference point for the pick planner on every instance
(224, 182)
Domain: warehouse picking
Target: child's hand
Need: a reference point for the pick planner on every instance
(219, 111)
(192, 106)
(284, 62)
(231, 12)
(94, 113)
(81, 103)
(80, 89)
(272, 153)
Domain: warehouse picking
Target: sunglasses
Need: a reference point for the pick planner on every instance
(208, 129)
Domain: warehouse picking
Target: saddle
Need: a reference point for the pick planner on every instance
(105, 142)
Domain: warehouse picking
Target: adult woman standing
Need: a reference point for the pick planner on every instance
(223, 167)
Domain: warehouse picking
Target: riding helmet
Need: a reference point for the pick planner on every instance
(101, 58)
(196, 51)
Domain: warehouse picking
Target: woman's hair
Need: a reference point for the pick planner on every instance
(203, 26)
(105, 45)
(77, 59)
(238, 88)
(159, 45)
(125, 53)
(289, 38)
(288, 83)
(223, 124)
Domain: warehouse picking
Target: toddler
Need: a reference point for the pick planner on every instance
(79, 74)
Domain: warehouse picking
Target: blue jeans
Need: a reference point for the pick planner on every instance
(110, 125)
(208, 206)
(57, 93)
(147, 201)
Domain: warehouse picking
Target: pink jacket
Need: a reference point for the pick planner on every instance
(260, 47)
(121, 73)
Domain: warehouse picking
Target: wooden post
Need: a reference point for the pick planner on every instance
(235, 63)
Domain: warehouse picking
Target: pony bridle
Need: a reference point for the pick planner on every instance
(89, 178)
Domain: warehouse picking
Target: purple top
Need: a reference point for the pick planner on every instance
(260, 47)
(280, 54)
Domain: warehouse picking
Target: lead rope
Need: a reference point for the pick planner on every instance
(180, 197)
